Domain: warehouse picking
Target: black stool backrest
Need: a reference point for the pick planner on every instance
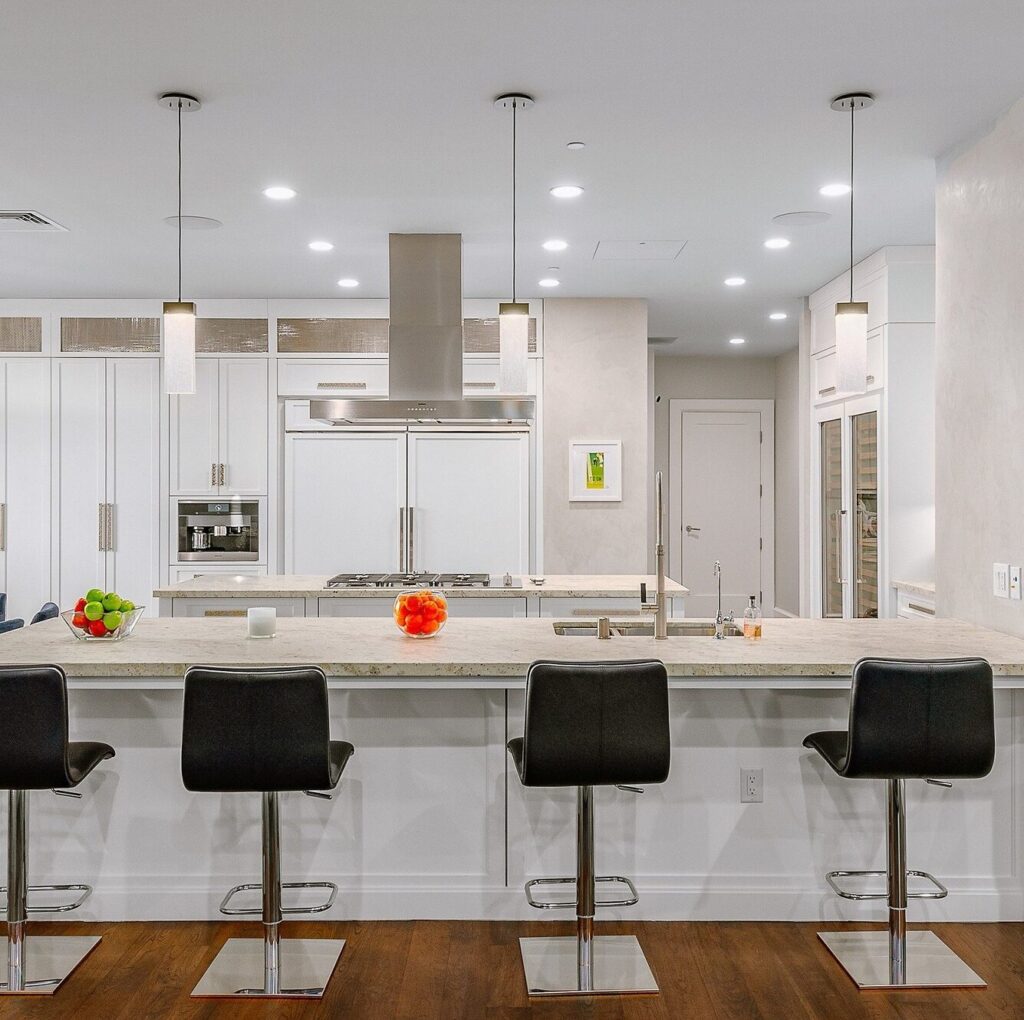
(916, 719)
(33, 728)
(249, 730)
(596, 723)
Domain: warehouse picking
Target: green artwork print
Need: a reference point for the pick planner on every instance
(595, 470)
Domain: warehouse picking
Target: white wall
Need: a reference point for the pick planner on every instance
(595, 388)
(980, 373)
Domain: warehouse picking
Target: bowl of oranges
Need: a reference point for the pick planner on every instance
(102, 616)
(421, 614)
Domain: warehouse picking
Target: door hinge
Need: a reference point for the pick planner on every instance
(760, 491)
(760, 436)
(760, 543)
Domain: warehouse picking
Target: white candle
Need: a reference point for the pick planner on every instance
(262, 621)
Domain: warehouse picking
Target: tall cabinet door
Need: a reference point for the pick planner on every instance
(133, 476)
(343, 493)
(79, 414)
(469, 502)
(195, 427)
(243, 426)
(25, 500)
(833, 513)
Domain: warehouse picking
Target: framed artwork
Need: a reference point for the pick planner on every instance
(595, 471)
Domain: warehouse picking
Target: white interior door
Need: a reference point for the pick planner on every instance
(25, 484)
(243, 425)
(342, 497)
(194, 428)
(720, 482)
(469, 498)
(79, 403)
(133, 476)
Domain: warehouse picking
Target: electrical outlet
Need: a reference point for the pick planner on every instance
(1015, 592)
(1001, 580)
(751, 786)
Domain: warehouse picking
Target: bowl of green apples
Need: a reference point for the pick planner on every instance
(102, 616)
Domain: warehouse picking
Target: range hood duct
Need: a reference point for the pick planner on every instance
(425, 345)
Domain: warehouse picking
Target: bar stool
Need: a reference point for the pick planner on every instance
(909, 719)
(35, 754)
(264, 731)
(591, 724)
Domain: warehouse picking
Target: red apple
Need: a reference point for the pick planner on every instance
(97, 628)
(79, 605)
(80, 621)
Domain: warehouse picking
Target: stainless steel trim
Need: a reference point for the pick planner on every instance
(411, 564)
(213, 476)
(110, 527)
(17, 887)
(921, 609)
(224, 612)
(401, 538)
(223, 555)
(341, 385)
(222, 475)
(585, 893)
(488, 410)
(629, 901)
(101, 527)
(826, 390)
(3, 527)
(480, 385)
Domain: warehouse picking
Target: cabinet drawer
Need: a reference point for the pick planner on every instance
(914, 607)
(481, 376)
(335, 378)
(179, 574)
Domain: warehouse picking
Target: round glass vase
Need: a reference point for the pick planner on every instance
(422, 613)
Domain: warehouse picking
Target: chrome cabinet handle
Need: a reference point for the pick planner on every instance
(411, 565)
(3, 527)
(101, 525)
(401, 538)
(222, 475)
(213, 476)
(921, 609)
(838, 517)
(480, 385)
(827, 389)
(341, 386)
(110, 526)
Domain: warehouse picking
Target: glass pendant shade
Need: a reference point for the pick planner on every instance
(179, 346)
(513, 337)
(851, 346)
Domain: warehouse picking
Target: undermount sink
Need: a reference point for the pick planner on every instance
(637, 628)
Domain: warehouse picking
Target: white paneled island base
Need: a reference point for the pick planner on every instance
(430, 820)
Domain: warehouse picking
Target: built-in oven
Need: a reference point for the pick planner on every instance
(226, 530)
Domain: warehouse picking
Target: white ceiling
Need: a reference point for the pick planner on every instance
(702, 121)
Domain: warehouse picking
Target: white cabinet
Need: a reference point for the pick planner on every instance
(343, 497)
(468, 502)
(219, 433)
(106, 415)
(25, 495)
(332, 377)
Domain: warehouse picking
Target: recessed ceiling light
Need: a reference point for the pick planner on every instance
(776, 243)
(548, 281)
(320, 246)
(348, 281)
(575, 145)
(835, 190)
(737, 340)
(554, 245)
(734, 281)
(567, 191)
(279, 192)
(778, 316)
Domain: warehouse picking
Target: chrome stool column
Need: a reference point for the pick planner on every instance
(35, 754)
(587, 725)
(283, 714)
(909, 719)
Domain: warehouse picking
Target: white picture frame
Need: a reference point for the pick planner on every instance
(599, 482)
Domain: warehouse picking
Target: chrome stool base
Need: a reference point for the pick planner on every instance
(618, 966)
(239, 969)
(930, 963)
(47, 961)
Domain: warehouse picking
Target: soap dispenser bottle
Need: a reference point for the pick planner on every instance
(752, 620)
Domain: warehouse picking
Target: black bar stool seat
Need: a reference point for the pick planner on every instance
(591, 724)
(35, 754)
(909, 719)
(264, 731)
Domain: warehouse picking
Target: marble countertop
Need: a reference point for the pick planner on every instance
(926, 589)
(219, 586)
(482, 648)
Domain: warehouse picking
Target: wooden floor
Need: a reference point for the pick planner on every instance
(423, 970)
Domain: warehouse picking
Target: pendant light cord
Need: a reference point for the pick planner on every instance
(515, 107)
(179, 201)
(852, 102)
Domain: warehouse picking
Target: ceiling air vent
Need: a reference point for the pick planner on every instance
(26, 219)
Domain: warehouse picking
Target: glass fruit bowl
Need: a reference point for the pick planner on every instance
(128, 621)
(421, 614)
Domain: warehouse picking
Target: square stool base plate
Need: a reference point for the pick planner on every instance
(306, 966)
(618, 966)
(930, 962)
(49, 959)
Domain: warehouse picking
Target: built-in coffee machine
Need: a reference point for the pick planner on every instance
(228, 530)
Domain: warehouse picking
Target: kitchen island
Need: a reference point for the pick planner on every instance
(430, 821)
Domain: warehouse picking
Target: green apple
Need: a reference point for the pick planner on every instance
(127, 606)
(111, 601)
(93, 610)
(94, 595)
(112, 620)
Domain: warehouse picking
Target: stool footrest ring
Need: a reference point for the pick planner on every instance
(634, 896)
(315, 909)
(941, 892)
(56, 908)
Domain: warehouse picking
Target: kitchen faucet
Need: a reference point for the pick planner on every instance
(660, 606)
(719, 619)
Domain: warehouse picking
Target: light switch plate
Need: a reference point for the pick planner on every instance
(1001, 580)
(1015, 573)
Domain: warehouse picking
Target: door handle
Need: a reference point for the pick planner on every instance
(3, 527)
(222, 476)
(110, 526)
(213, 476)
(401, 538)
(692, 531)
(411, 565)
(101, 524)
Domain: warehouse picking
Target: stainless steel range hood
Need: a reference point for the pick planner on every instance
(425, 345)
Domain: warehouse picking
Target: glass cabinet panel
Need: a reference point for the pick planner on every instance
(831, 518)
(864, 453)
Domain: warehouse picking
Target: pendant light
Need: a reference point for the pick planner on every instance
(852, 316)
(513, 316)
(179, 332)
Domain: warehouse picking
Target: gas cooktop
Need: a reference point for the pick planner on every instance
(417, 580)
